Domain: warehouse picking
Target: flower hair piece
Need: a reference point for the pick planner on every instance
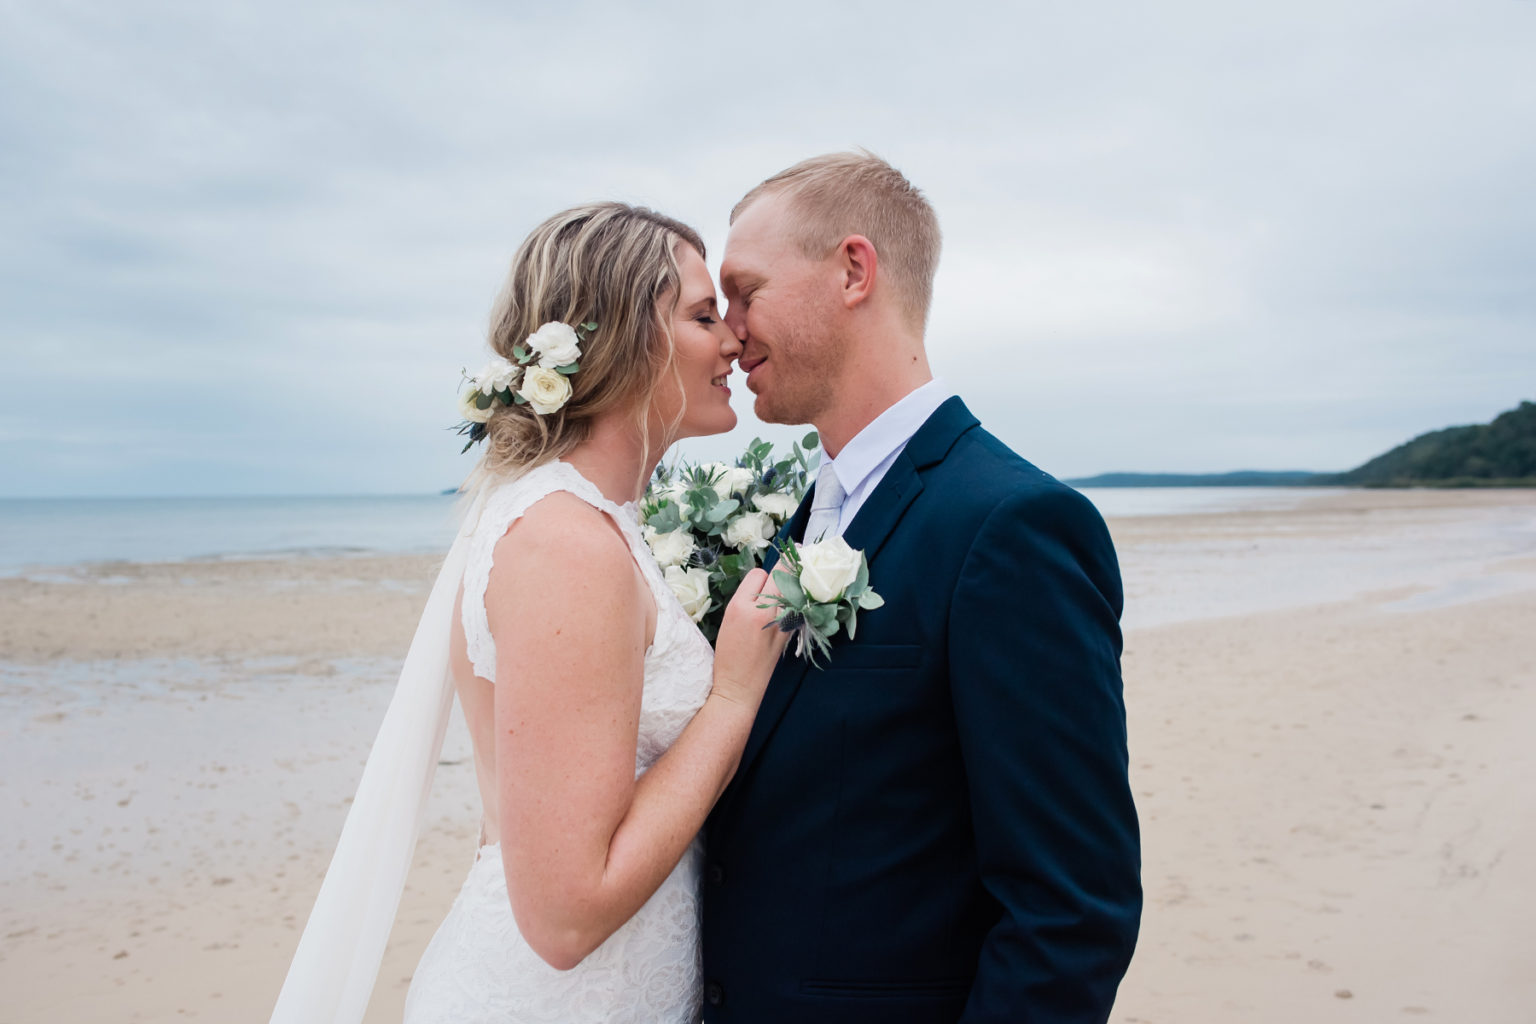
(554, 352)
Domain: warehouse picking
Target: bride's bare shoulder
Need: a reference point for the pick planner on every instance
(561, 541)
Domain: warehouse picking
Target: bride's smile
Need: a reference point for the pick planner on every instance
(704, 349)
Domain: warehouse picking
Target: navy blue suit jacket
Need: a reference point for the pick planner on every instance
(937, 824)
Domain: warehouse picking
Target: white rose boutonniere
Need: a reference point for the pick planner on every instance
(546, 390)
(828, 567)
(822, 589)
(750, 530)
(692, 589)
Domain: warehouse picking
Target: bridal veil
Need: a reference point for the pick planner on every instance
(337, 961)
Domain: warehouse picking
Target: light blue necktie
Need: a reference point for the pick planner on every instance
(826, 506)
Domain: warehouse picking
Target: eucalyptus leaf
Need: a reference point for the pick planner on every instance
(666, 519)
(869, 600)
(482, 400)
(568, 368)
(810, 440)
(823, 617)
(790, 587)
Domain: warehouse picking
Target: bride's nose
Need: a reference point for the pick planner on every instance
(730, 345)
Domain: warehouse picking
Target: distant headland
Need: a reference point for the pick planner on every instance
(1497, 454)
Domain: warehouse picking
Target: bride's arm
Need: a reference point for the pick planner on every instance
(584, 843)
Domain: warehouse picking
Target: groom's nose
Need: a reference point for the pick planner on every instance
(736, 320)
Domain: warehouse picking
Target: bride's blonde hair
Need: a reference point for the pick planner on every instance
(606, 263)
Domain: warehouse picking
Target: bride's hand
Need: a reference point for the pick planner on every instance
(748, 645)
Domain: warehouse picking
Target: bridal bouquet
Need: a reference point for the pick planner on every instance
(709, 524)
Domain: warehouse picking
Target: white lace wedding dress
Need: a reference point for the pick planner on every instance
(478, 967)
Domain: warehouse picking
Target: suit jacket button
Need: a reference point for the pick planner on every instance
(714, 995)
(716, 874)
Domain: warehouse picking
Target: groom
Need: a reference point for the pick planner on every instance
(937, 825)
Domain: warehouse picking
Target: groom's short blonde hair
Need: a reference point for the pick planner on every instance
(840, 194)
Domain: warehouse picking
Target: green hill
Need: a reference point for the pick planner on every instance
(1497, 454)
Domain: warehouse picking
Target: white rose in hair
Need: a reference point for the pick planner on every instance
(750, 530)
(556, 345)
(545, 390)
(780, 506)
(828, 567)
(470, 411)
(692, 589)
(673, 548)
(497, 375)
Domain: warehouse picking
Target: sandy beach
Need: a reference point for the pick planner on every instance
(1330, 706)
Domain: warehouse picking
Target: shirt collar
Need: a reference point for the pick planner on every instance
(885, 434)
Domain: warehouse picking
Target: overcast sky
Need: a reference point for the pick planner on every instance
(248, 247)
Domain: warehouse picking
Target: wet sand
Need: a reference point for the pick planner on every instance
(1329, 709)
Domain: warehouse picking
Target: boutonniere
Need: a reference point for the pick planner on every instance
(822, 588)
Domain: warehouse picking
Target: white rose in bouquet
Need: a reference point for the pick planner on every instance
(556, 345)
(470, 411)
(735, 481)
(545, 390)
(779, 506)
(750, 530)
(716, 471)
(828, 568)
(729, 480)
(692, 589)
(672, 548)
(676, 492)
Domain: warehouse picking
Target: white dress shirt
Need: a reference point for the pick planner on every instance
(864, 460)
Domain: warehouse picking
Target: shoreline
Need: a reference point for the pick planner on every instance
(1332, 791)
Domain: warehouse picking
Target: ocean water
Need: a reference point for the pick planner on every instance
(56, 532)
(42, 532)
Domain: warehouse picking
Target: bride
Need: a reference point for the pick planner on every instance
(603, 726)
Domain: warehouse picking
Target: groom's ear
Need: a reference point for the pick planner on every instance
(859, 266)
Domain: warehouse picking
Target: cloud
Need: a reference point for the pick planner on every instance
(244, 239)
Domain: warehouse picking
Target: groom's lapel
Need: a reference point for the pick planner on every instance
(903, 482)
(868, 532)
(794, 529)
